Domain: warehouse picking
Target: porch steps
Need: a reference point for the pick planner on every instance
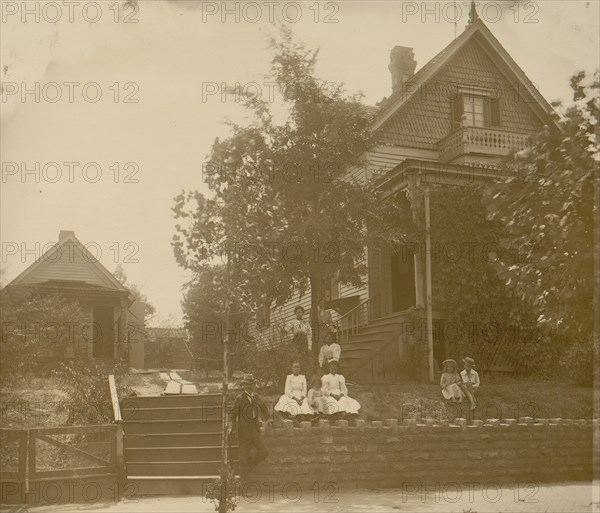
(372, 355)
(172, 444)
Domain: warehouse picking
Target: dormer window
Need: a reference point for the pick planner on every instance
(475, 107)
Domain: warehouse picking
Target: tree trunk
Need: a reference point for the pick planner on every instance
(314, 298)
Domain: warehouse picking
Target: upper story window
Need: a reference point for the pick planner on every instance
(475, 107)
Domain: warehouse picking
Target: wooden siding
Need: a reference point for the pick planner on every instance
(271, 336)
(67, 263)
(427, 116)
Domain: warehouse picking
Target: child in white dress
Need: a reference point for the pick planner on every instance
(335, 393)
(315, 398)
(293, 402)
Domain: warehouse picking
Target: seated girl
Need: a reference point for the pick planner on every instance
(333, 387)
(293, 402)
(331, 350)
(451, 382)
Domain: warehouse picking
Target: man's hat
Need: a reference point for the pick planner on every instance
(470, 361)
(248, 379)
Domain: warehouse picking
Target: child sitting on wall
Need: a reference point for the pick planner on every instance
(315, 397)
(470, 380)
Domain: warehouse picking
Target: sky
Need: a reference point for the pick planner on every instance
(109, 110)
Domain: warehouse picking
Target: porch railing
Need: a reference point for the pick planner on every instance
(481, 140)
(119, 433)
(349, 323)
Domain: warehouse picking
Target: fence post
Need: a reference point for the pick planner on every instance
(117, 439)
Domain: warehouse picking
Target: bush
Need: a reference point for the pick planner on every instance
(578, 362)
(38, 329)
(271, 366)
(88, 398)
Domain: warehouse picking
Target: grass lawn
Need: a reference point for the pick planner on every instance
(504, 398)
(35, 402)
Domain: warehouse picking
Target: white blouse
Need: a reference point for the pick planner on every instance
(333, 384)
(295, 386)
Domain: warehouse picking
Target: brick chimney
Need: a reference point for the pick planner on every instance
(402, 66)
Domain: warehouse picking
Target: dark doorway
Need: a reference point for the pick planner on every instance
(403, 280)
(104, 332)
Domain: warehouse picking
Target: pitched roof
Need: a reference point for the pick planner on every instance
(69, 261)
(476, 30)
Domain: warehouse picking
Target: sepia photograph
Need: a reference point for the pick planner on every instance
(302, 256)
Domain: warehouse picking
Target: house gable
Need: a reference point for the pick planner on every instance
(421, 115)
(68, 261)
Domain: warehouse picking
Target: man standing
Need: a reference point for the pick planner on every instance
(247, 409)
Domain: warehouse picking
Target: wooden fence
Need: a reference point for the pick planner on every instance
(61, 457)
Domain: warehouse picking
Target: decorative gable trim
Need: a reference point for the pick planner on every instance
(492, 47)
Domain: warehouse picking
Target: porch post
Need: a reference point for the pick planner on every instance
(428, 276)
(121, 336)
(414, 200)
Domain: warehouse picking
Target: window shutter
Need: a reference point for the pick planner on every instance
(492, 112)
(495, 112)
(457, 111)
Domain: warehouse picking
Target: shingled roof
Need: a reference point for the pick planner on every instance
(476, 29)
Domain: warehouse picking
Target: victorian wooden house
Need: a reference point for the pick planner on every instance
(451, 122)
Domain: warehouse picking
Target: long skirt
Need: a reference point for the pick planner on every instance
(287, 405)
(345, 405)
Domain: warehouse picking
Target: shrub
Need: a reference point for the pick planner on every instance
(38, 329)
(578, 362)
(88, 398)
(270, 366)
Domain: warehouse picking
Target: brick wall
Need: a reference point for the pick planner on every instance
(386, 454)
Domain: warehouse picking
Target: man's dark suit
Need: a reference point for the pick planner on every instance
(246, 413)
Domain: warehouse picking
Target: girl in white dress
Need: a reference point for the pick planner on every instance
(315, 397)
(293, 402)
(335, 393)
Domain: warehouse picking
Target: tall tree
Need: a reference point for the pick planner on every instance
(549, 212)
(283, 205)
(119, 274)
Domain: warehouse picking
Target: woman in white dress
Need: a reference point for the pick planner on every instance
(293, 402)
(335, 393)
(330, 351)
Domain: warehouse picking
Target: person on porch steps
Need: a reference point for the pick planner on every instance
(331, 350)
(300, 332)
(451, 382)
(470, 380)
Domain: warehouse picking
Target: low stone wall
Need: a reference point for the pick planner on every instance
(412, 455)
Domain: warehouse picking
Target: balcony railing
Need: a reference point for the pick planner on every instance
(481, 141)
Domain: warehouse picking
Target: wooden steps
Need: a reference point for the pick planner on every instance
(172, 444)
(372, 354)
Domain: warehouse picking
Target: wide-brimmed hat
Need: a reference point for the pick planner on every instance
(470, 361)
(248, 379)
(331, 362)
(449, 360)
